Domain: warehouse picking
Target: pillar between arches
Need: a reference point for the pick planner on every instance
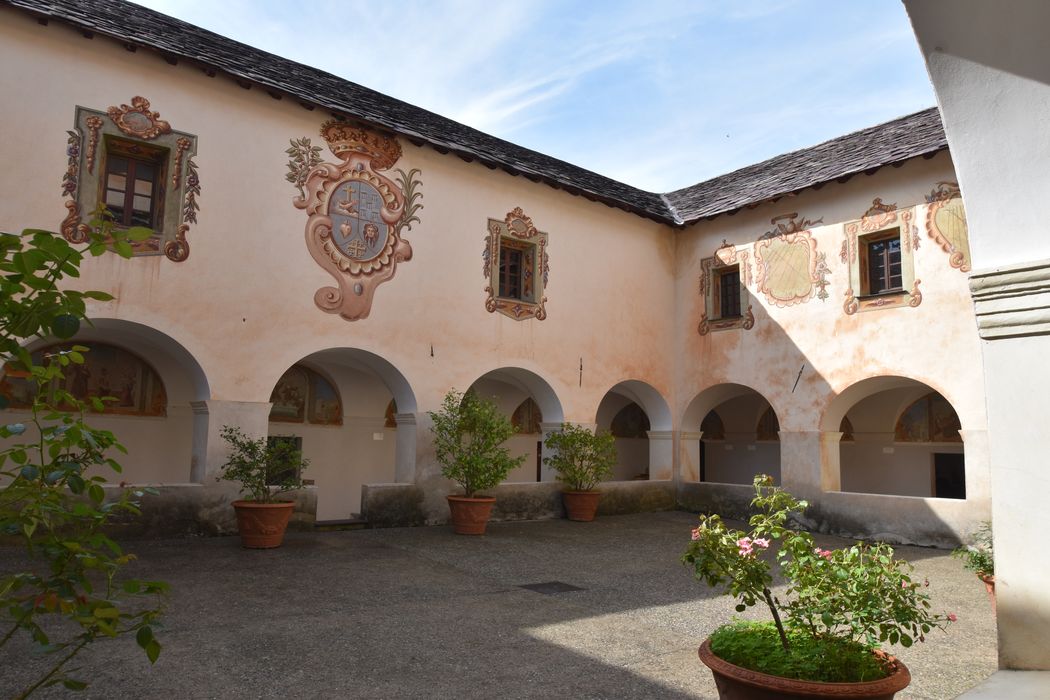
(405, 446)
(809, 462)
(661, 455)
(689, 455)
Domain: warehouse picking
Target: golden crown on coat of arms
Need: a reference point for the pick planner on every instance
(344, 140)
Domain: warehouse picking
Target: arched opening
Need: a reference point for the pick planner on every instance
(352, 414)
(154, 381)
(899, 437)
(739, 436)
(531, 405)
(640, 421)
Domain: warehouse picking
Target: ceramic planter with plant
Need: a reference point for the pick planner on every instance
(582, 459)
(265, 469)
(469, 433)
(839, 606)
(979, 558)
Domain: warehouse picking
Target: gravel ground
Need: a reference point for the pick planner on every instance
(420, 612)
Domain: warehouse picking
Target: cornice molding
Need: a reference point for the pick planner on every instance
(1012, 301)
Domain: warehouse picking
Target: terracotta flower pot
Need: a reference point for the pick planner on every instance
(262, 525)
(470, 515)
(581, 505)
(989, 585)
(736, 683)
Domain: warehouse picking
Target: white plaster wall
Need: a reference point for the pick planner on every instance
(906, 471)
(991, 70)
(739, 459)
(343, 459)
(159, 448)
(632, 458)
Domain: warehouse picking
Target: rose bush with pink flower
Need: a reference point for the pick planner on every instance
(858, 596)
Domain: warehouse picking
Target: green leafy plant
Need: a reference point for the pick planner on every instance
(851, 598)
(979, 557)
(71, 592)
(469, 433)
(265, 468)
(581, 457)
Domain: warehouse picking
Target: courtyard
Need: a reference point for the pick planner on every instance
(420, 612)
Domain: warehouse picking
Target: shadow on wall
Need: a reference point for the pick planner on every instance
(885, 488)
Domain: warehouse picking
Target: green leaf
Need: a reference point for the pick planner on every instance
(144, 636)
(138, 233)
(152, 650)
(71, 684)
(123, 249)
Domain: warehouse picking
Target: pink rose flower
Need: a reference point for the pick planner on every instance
(745, 544)
(761, 543)
(952, 617)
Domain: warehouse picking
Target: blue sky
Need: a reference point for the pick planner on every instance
(657, 94)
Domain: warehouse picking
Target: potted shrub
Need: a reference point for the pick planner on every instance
(266, 468)
(980, 558)
(582, 459)
(838, 607)
(469, 433)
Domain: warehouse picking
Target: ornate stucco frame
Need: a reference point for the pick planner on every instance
(725, 257)
(879, 219)
(179, 185)
(517, 229)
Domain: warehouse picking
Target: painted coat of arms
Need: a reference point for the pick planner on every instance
(356, 214)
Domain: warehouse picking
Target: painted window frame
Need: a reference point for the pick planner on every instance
(859, 234)
(99, 135)
(726, 260)
(516, 231)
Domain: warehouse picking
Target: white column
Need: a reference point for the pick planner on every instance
(801, 463)
(661, 455)
(405, 448)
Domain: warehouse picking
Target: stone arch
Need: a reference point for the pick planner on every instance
(645, 454)
(360, 448)
(161, 449)
(878, 459)
(509, 387)
(739, 452)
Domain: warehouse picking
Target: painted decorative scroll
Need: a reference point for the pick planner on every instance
(355, 214)
(946, 224)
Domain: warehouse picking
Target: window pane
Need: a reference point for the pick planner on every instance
(142, 204)
(729, 293)
(144, 171)
(141, 218)
(116, 182)
(510, 273)
(143, 187)
(116, 164)
(114, 198)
